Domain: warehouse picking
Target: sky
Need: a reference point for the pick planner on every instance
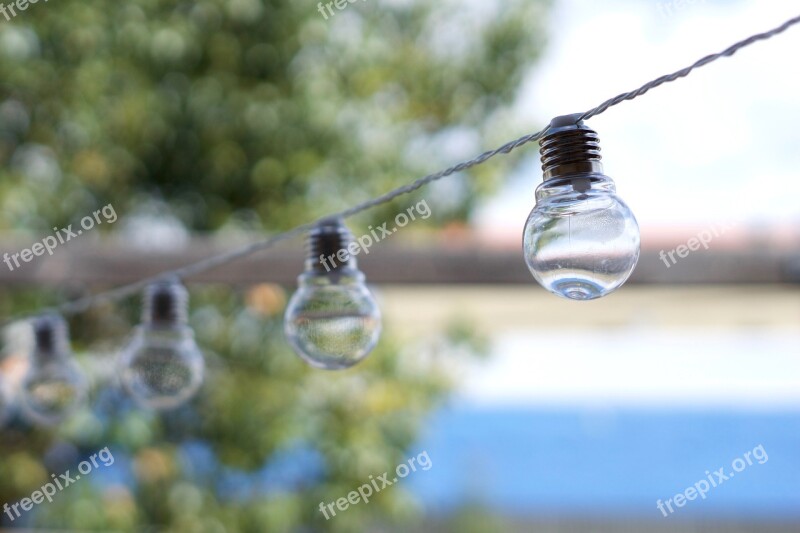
(717, 147)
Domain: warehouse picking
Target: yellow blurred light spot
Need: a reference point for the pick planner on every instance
(92, 166)
(384, 398)
(266, 299)
(152, 465)
(25, 471)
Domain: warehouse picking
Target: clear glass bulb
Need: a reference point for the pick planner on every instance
(580, 241)
(332, 321)
(53, 387)
(332, 325)
(162, 367)
(581, 244)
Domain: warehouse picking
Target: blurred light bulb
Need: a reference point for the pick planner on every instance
(162, 367)
(53, 386)
(332, 321)
(580, 241)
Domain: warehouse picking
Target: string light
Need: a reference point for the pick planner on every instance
(580, 241)
(332, 321)
(124, 291)
(162, 367)
(53, 386)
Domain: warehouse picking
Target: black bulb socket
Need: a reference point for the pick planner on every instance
(570, 150)
(328, 248)
(166, 304)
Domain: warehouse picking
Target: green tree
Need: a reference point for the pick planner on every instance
(258, 114)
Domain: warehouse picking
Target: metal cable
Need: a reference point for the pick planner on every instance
(82, 304)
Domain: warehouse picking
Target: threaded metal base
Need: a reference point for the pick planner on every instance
(324, 243)
(166, 303)
(569, 149)
(50, 336)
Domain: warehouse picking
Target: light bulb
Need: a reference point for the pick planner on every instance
(580, 241)
(53, 386)
(162, 367)
(332, 321)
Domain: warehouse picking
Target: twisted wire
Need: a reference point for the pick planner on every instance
(82, 304)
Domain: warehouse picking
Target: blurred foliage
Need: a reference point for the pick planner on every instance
(251, 111)
(264, 442)
(253, 114)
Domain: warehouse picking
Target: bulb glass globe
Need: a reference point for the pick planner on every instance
(51, 392)
(332, 322)
(162, 367)
(581, 241)
(54, 386)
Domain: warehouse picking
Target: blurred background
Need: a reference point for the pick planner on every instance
(212, 123)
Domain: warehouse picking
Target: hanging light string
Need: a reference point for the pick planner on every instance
(682, 73)
(82, 304)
